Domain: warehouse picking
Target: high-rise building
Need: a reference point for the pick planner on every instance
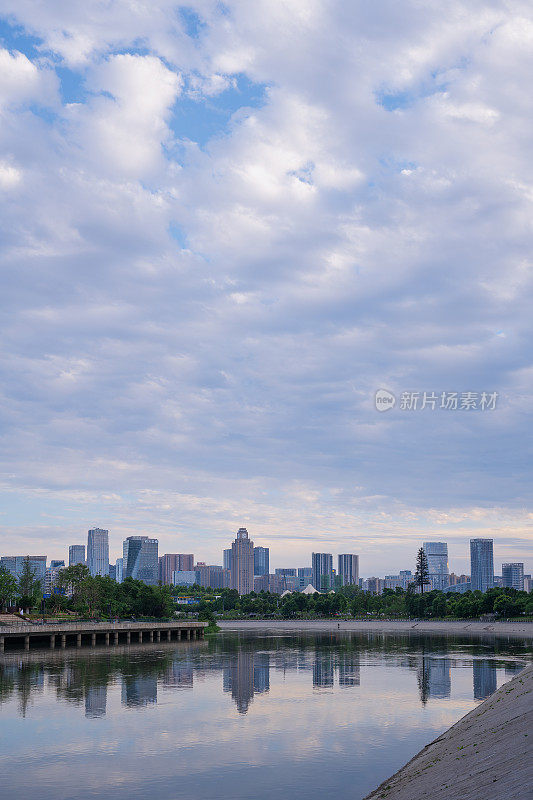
(119, 570)
(210, 576)
(242, 563)
(400, 581)
(113, 572)
(185, 578)
(322, 571)
(76, 554)
(349, 569)
(286, 572)
(227, 558)
(305, 577)
(98, 551)
(513, 576)
(481, 564)
(453, 579)
(437, 558)
(15, 565)
(261, 560)
(174, 562)
(140, 559)
(51, 577)
(374, 585)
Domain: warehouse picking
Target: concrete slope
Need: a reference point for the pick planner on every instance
(487, 755)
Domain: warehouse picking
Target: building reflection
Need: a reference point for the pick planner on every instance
(323, 670)
(349, 669)
(95, 701)
(434, 678)
(179, 675)
(485, 679)
(139, 691)
(247, 673)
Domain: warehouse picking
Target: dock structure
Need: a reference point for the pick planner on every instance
(78, 634)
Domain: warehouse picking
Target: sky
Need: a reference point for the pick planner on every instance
(224, 227)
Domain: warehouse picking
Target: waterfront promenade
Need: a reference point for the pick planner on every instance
(523, 630)
(78, 634)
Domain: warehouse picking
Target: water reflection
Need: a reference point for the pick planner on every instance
(484, 679)
(245, 663)
(245, 675)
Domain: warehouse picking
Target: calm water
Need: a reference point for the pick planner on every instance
(238, 716)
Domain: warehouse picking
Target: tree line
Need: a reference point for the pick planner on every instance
(353, 601)
(86, 595)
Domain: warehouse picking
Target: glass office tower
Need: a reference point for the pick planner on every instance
(481, 564)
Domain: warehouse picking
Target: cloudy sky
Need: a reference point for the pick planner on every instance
(224, 227)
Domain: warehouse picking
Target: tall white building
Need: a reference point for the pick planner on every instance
(98, 551)
(437, 558)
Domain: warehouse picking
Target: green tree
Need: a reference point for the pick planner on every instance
(422, 571)
(72, 577)
(29, 588)
(8, 588)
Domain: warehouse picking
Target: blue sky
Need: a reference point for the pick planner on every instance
(223, 228)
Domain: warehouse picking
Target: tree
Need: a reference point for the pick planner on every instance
(72, 577)
(8, 587)
(29, 588)
(422, 570)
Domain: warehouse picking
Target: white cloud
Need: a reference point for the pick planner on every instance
(365, 224)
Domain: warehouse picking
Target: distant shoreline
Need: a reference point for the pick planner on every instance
(476, 628)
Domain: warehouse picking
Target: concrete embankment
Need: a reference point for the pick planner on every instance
(523, 630)
(487, 755)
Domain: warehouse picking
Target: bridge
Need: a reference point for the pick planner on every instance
(77, 634)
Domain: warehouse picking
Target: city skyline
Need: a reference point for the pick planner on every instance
(152, 565)
(284, 554)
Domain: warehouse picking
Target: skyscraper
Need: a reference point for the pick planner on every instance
(513, 576)
(242, 563)
(174, 562)
(322, 571)
(76, 554)
(98, 551)
(481, 564)
(349, 569)
(261, 560)
(227, 559)
(437, 558)
(15, 565)
(119, 571)
(140, 561)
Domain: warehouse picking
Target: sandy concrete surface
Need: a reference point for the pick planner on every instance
(523, 630)
(487, 755)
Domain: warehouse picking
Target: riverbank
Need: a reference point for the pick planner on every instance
(523, 630)
(488, 754)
